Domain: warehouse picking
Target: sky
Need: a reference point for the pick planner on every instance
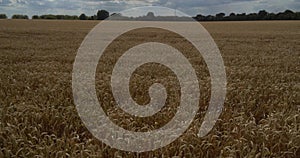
(190, 7)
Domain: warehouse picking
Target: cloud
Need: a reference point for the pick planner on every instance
(191, 7)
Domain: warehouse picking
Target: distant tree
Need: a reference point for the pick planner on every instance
(116, 14)
(150, 15)
(297, 15)
(49, 17)
(35, 17)
(90, 18)
(3, 16)
(200, 17)
(93, 17)
(83, 17)
(271, 16)
(75, 17)
(18, 16)
(280, 16)
(289, 15)
(262, 15)
(60, 17)
(71, 17)
(288, 12)
(241, 17)
(209, 18)
(220, 16)
(252, 16)
(232, 14)
(102, 14)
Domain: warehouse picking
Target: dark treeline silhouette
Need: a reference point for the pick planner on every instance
(19, 16)
(56, 17)
(103, 14)
(261, 15)
(3, 16)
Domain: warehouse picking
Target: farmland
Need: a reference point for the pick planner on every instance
(261, 112)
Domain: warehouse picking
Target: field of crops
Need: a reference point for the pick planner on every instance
(261, 112)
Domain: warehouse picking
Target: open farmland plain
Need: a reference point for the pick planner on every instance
(260, 118)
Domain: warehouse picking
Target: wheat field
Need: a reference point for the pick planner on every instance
(261, 111)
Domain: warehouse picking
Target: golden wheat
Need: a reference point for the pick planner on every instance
(260, 119)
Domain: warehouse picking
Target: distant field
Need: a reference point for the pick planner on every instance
(261, 116)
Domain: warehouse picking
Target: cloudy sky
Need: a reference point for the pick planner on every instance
(190, 7)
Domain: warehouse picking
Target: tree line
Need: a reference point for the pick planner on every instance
(103, 14)
(16, 16)
(261, 15)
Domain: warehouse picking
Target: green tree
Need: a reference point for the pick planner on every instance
(83, 17)
(35, 17)
(19, 16)
(200, 17)
(232, 16)
(49, 17)
(288, 12)
(59, 17)
(289, 15)
(297, 15)
(252, 16)
(220, 16)
(75, 17)
(150, 15)
(102, 14)
(3, 16)
(262, 15)
(93, 17)
(241, 17)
